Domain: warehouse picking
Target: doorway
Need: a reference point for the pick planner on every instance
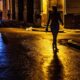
(30, 11)
(13, 10)
(20, 10)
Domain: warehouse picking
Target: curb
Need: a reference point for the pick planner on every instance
(70, 42)
(74, 44)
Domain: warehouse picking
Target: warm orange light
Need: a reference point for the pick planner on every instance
(1, 5)
(45, 4)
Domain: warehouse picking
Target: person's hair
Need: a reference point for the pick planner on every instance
(54, 8)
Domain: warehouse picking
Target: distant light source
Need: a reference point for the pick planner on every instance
(44, 6)
(29, 29)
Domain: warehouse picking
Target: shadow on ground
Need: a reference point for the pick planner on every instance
(56, 68)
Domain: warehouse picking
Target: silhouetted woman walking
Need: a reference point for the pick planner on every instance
(54, 20)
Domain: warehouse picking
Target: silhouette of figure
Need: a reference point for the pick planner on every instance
(54, 20)
(55, 69)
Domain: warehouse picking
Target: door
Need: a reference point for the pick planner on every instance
(30, 11)
(20, 10)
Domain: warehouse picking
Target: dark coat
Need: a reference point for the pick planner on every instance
(54, 20)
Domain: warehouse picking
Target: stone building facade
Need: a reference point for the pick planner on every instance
(27, 11)
(30, 11)
(72, 14)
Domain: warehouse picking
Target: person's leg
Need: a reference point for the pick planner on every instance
(54, 33)
(55, 41)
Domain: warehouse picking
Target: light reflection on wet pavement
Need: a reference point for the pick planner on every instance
(31, 57)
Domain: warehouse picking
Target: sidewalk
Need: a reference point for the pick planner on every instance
(74, 42)
(72, 31)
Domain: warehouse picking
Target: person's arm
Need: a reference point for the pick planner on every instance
(61, 21)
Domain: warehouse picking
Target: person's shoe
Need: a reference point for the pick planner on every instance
(55, 49)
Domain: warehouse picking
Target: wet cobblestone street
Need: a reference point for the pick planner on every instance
(29, 56)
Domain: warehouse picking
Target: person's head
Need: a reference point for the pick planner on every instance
(54, 8)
